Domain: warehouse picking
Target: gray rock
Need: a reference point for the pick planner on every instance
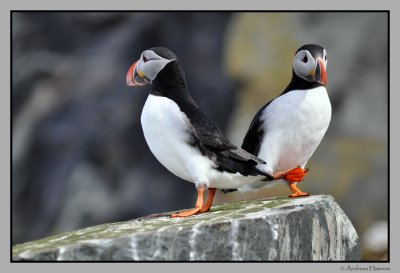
(312, 228)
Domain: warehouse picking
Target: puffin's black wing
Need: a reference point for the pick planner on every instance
(254, 136)
(210, 136)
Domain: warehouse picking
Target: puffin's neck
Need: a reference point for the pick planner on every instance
(170, 82)
(298, 83)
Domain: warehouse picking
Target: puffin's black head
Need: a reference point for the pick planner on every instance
(310, 63)
(150, 63)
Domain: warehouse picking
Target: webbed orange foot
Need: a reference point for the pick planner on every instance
(196, 209)
(186, 213)
(300, 194)
(296, 191)
(199, 208)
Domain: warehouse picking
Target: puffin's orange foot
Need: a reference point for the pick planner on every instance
(186, 213)
(296, 191)
(205, 209)
(199, 208)
(199, 203)
(298, 194)
(295, 175)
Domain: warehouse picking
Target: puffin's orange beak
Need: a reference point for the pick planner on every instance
(320, 72)
(133, 78)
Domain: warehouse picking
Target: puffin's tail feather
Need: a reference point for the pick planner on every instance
(267, 178)
(225, 191)
(242, 155)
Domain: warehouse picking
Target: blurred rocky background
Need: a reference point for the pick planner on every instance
(78, 152)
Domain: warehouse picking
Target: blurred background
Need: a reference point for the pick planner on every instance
(79, 157)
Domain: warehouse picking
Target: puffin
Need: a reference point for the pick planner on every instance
(287, 130)
(182, 138)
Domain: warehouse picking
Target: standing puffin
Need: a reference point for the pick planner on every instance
(182, 138)
(288, 129)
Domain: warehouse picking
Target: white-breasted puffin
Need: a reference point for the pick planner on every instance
(182, 138)
(288, 129)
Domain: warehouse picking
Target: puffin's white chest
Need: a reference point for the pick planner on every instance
(165, 130)
(294, 125)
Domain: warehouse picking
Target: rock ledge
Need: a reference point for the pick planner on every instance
(311, 228)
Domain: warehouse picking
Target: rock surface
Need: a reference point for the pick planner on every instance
(312, 228)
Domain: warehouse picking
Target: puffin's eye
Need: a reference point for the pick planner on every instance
(145, 59)
(325, 57)
(305, 59)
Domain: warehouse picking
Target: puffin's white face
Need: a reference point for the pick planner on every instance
(309, 67)
(145, 70)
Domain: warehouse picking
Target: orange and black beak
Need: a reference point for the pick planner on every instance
(320, 72)
(134, 77)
